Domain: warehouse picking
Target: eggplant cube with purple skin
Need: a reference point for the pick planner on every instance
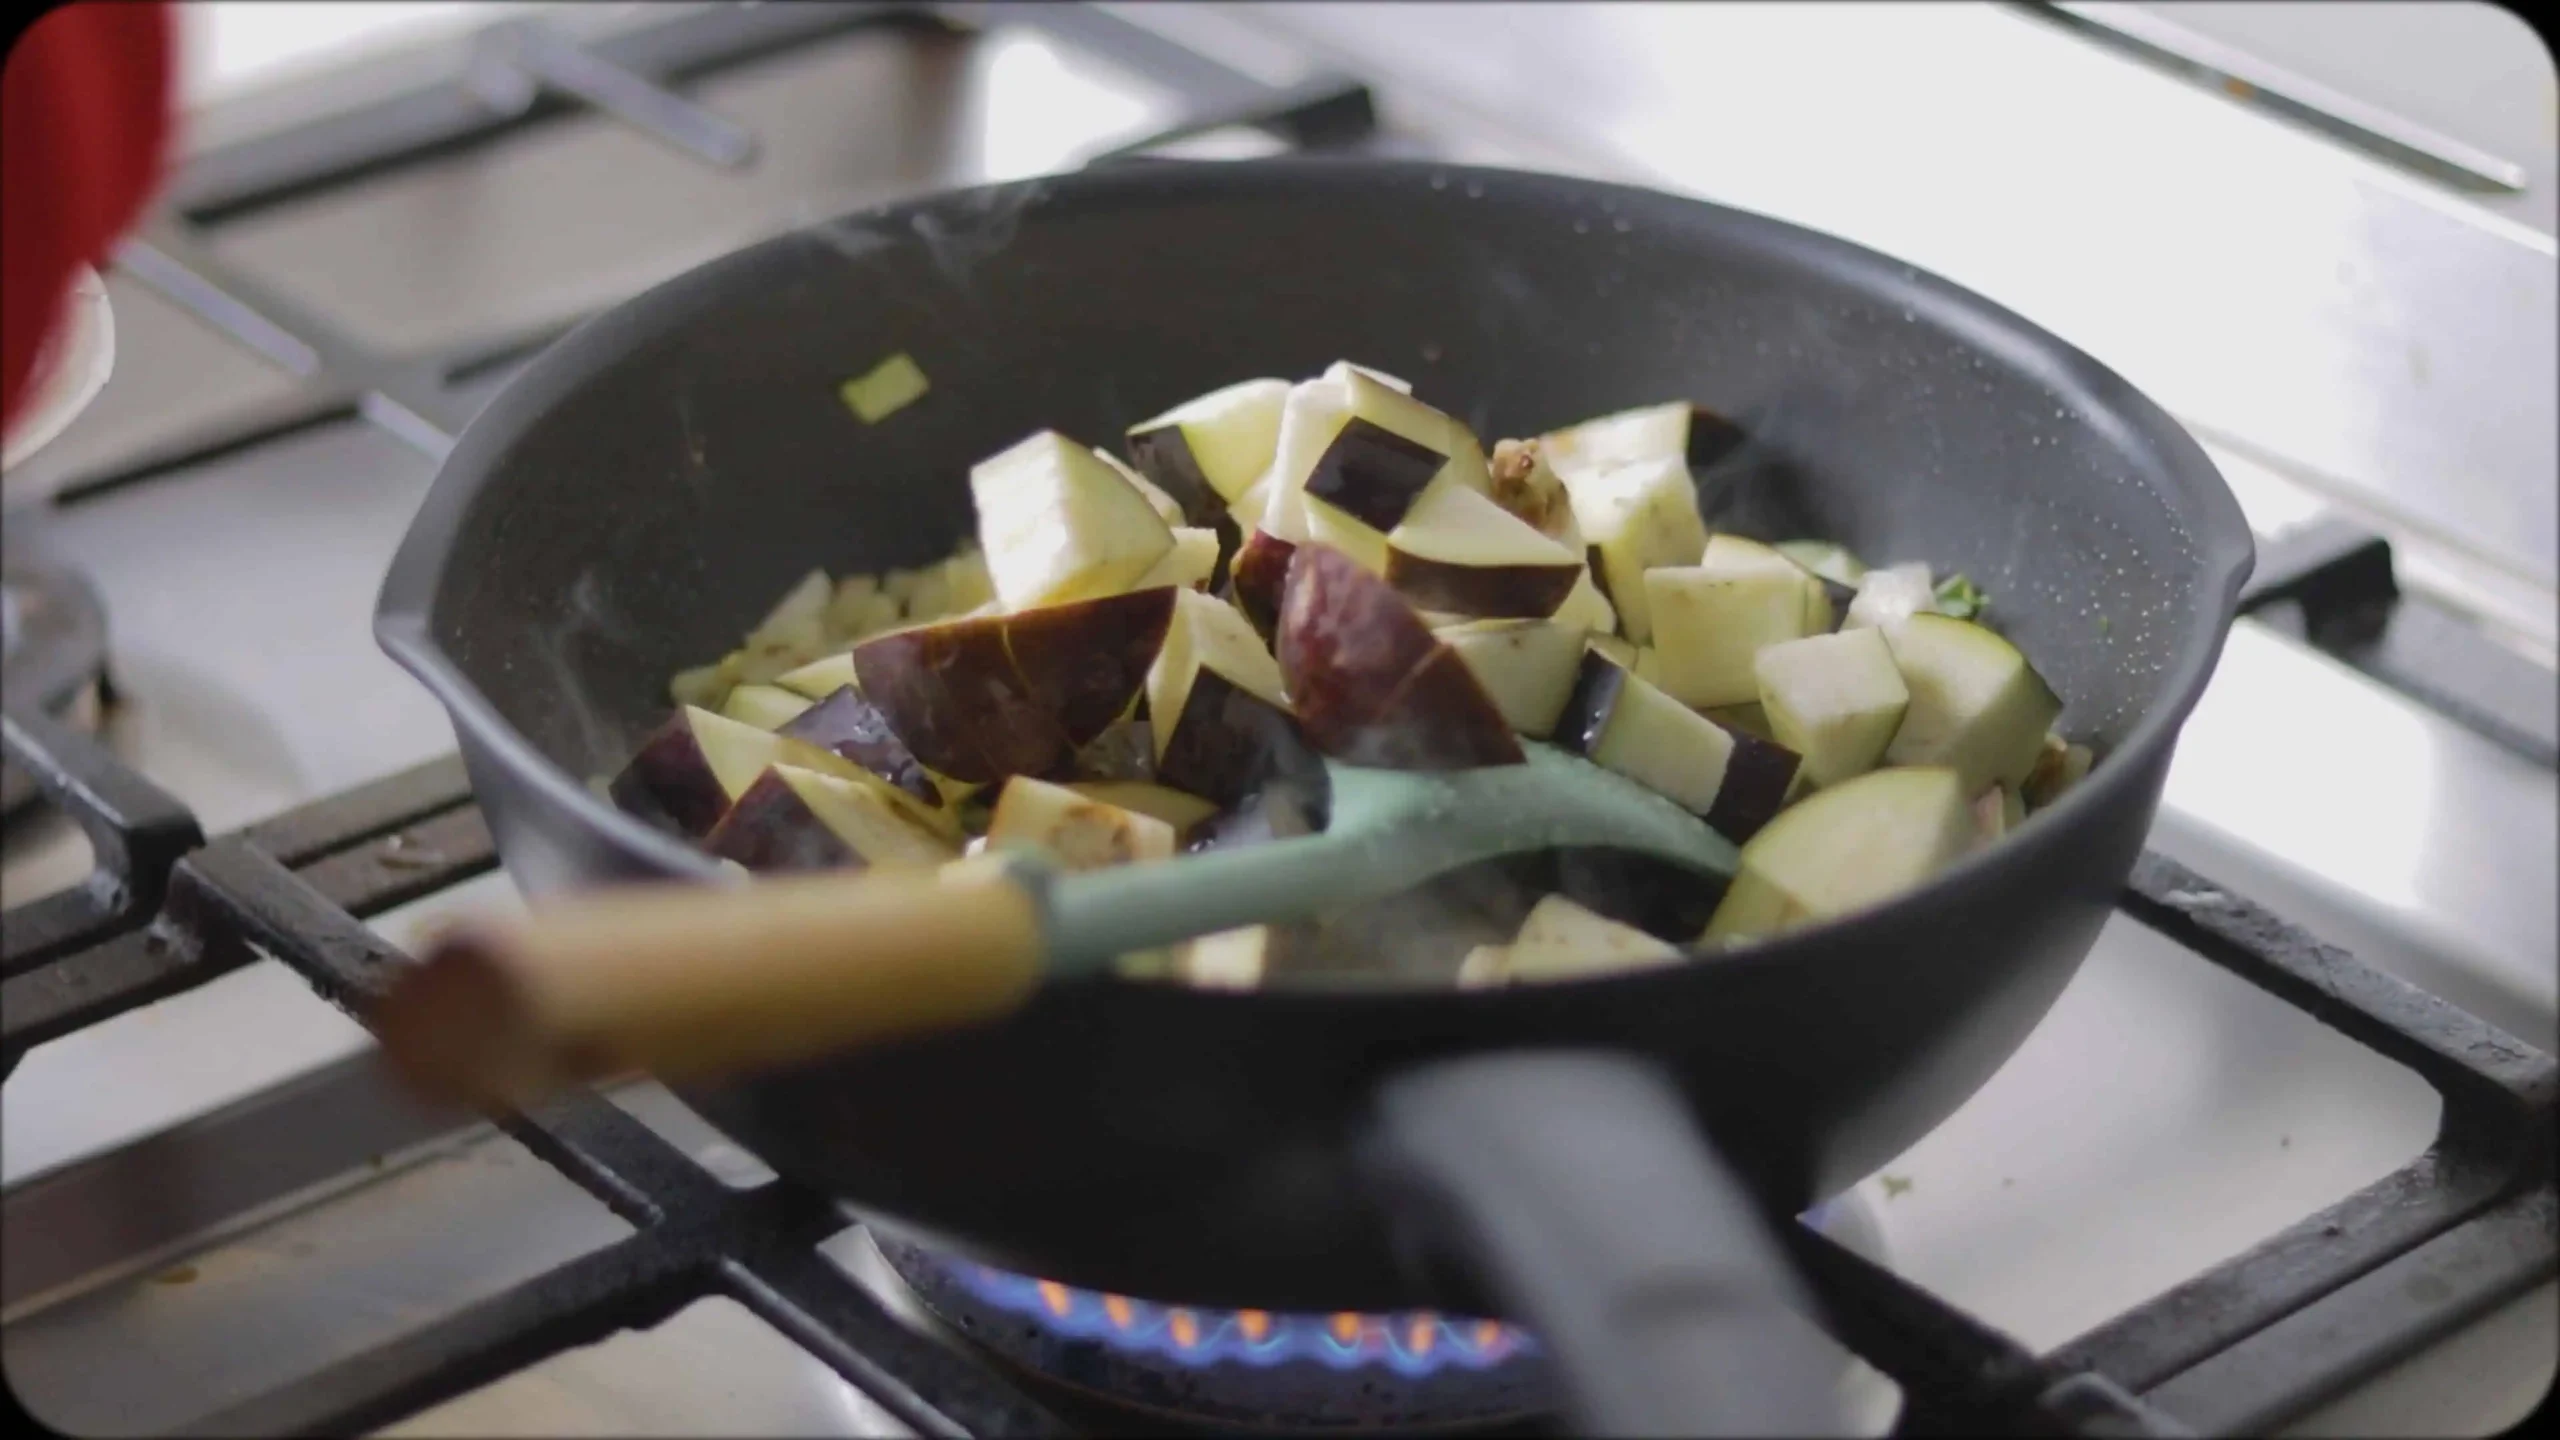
(1215, 701)
(1458, 551)
(1209, 450)
(694, 766)
(1355, 455)
(1526, 666)
(793, 819)
(1371, 684)
(1636, 517)
(1623, 722)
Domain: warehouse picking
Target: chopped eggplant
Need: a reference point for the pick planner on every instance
(1650, 432)
(1190, 563)
(1232, 959)
(1834, 699)
(1370, 683)
(1177, 808)
(1359, 453)
(1459, 551)
(1246, 512)
(691, 768)
(1058, 525)
(766, 707)
(1124, 751)
(850, 727)
(1087, 661)
(1977, 706)
(819, 678)
(1586, 607)
(1711, 618)
(1891, 594)
(1622, 722)
(1257, 579)
(703, 685)
(1831, 562)
(1165, 506)
(797, 819)
(1848, 847)
(1526, 666)
(1378, 463)
(980, 699)
(1077, 831)
(1618, 651)
(1216, 445)
(1561, 940)
(1215, 699)
(1340, 368)
(1749, 719)
(861, 607)
(798, 618)
(1635, 517)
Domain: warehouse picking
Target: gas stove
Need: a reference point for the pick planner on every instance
(2240, 1179)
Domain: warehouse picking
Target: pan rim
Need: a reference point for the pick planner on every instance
(2178, 470)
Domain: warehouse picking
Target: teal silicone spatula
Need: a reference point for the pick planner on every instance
(688, 981)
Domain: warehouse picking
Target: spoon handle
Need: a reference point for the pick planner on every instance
(695, 981)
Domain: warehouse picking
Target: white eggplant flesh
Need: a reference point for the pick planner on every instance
(1834, 699)
(1057, 524)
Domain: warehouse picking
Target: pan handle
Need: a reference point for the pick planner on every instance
(1578, 1186)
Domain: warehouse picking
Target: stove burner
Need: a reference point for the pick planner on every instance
(1251, 1369)
(53, 656)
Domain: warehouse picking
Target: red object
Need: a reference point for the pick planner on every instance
(84, 122)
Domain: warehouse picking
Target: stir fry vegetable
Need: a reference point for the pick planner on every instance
(1119, 665)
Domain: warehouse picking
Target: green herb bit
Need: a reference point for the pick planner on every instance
(1959, 598)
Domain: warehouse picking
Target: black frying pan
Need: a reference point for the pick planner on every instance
(628, 506)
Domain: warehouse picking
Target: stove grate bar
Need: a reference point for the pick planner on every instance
(2270, 1379)
(743, 1242)
(395, 840)
(137, 831)
(2332, 585)
(2296, 1268)
(2468, 1060)
(451, 111)
(545, 59)
(404, 396)
(634, 1283)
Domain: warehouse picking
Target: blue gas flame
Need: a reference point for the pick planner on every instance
(1411, 1343)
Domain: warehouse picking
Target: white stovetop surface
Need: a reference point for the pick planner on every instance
(2165, 1116)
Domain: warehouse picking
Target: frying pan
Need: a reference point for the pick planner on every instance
(1600, 1157)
